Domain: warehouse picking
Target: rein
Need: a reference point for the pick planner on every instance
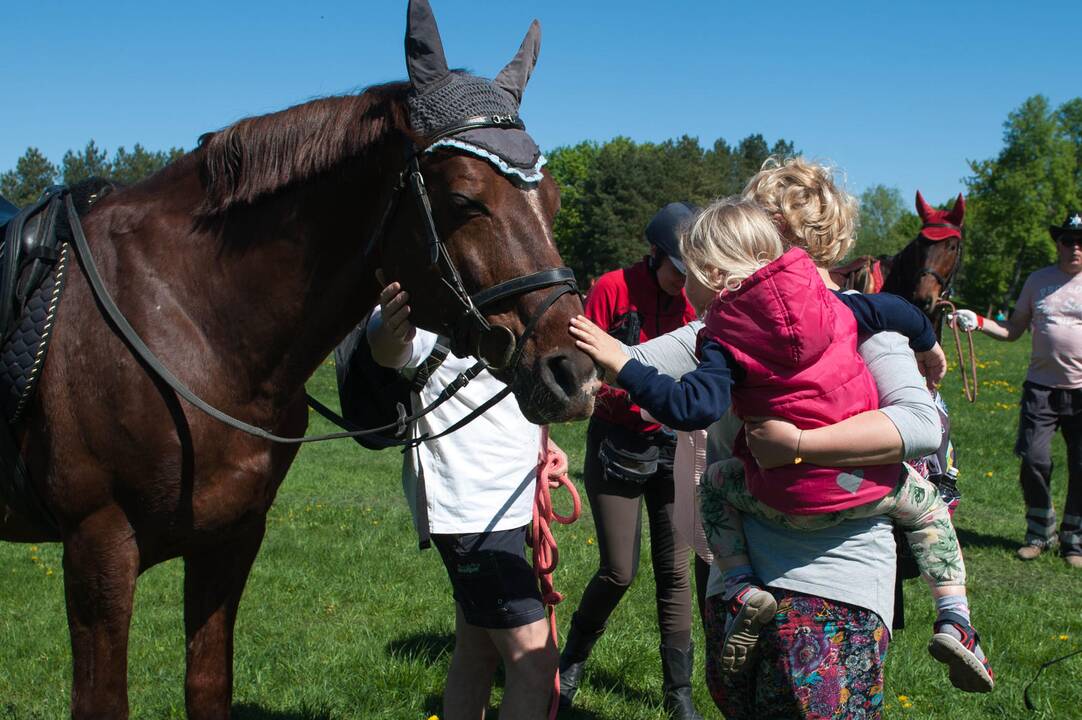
(969, 382)
(562, 278)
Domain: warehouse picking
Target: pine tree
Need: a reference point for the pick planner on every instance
(32, 174)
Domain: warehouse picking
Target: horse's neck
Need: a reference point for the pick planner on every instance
(893, 268)
(316, 283)
(275, 286)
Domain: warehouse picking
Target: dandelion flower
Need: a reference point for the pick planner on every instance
(589, 541)
(903, 698)
(988, 474)
(1064, 637)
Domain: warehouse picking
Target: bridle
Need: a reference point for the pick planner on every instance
(470, 333)
(944, 282)
(969, 374)
(469, 319)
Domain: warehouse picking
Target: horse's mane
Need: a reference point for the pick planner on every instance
(259, 155)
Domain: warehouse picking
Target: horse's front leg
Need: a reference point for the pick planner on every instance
(101, 563)
(213, 583)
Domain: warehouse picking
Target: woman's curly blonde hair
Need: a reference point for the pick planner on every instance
(812, 211)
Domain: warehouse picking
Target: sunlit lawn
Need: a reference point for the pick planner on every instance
(344, 618)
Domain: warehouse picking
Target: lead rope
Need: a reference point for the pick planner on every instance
(969, 382)
(545, 554)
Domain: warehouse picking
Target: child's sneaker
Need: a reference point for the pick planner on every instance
(749, 610)
(956, 644)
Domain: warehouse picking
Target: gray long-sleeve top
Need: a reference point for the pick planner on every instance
(853, 561)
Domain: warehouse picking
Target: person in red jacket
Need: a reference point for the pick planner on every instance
(629, 459)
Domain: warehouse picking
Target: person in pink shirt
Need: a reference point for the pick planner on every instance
(1050, 306)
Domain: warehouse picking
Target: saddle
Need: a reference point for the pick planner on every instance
(864, 274)
(33, 257)
(33, 266)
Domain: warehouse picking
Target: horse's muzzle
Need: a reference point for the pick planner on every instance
(561, 387)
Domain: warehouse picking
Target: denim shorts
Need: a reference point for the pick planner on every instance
(493, 582)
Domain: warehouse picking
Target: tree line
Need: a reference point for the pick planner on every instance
(610, 190)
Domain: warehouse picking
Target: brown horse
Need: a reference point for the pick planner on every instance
(923, 271)
(242, 265)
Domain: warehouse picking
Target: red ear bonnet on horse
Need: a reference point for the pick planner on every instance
(941, 224)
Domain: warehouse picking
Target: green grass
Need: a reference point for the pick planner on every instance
(344, 618)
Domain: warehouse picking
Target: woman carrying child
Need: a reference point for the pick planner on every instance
(799, 362)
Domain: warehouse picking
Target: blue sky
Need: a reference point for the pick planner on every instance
(897, 93)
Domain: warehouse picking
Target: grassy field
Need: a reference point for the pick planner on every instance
(344, 618)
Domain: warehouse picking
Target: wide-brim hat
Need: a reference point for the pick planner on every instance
(1072, 225)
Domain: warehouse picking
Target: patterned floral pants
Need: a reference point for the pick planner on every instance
(914, 504)
(820, 659)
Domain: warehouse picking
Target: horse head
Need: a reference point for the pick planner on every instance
(470, 235)
(937, 253)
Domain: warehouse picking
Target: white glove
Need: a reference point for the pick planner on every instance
(966, 320)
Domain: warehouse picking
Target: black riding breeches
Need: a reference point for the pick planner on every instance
(616, 505)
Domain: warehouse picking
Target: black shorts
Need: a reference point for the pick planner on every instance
(492, 580)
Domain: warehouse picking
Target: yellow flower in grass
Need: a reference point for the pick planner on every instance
(907, 705)
(988, 474)
(589, 541)
(1064, 637)
(433, 717)
(903, 698)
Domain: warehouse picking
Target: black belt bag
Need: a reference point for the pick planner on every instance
(627, 465)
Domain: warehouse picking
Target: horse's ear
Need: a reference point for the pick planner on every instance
(425, 60)
(514, 77)
(924, 210)
(958, 213)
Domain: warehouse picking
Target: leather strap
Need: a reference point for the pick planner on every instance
(524, 284)
(128, 334)
(478, 122)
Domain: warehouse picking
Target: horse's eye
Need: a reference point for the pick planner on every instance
(468, 206)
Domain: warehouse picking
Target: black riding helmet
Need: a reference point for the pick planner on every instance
(665, 229)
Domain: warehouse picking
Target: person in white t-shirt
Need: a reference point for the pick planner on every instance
(1050, 305)
(472, 492)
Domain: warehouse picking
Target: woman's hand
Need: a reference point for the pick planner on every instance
(595, 342)
(932, 365)
(773, 442)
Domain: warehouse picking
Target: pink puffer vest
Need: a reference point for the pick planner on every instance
(797, 345)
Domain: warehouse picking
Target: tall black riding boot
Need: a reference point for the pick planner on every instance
(573, 659)
(676, 667)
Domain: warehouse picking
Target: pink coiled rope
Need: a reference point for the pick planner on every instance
(551, 475)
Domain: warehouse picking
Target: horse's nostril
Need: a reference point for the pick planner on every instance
(562, 372)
